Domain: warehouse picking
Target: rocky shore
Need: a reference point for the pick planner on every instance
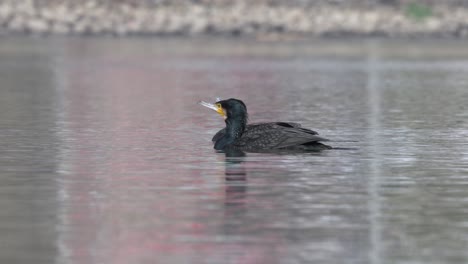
(120, 18)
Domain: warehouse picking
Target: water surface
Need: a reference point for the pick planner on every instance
(107, 158)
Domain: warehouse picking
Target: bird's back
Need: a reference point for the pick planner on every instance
(275, 135)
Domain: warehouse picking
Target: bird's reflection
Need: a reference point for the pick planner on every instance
(236, 193)
(235, 171)
(237, 204)
(236, 178)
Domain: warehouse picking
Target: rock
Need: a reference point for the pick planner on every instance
(5, 11)
(222, 16)
(37, 25)
(60, 28)
(16, 24)
(80, 28)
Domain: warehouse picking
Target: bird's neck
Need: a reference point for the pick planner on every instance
(234, 129)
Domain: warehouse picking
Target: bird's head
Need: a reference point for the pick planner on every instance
(229, 109)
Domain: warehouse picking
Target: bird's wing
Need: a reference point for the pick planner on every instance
(273, 136)
(270, 125)
(219, 135)
(294, 137)
(287, 124)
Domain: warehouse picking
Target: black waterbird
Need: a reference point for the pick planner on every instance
(271, 136)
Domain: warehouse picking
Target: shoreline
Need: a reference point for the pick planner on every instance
(258, 20)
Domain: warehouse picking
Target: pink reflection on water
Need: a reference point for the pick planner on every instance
(135, 192)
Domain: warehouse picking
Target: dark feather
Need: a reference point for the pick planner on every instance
(274, 135)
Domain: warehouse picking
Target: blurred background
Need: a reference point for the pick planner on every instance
(241, 17)
(106, 157)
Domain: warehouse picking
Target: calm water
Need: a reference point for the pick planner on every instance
(107, 158)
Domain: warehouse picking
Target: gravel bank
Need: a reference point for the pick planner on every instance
(122, 18)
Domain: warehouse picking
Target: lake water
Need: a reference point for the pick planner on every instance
(107, 158)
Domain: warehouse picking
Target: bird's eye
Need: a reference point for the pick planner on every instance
(218, 105)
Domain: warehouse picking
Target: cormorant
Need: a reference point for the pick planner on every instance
(260, 136)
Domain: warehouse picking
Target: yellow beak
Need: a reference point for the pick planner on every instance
(215, 107)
